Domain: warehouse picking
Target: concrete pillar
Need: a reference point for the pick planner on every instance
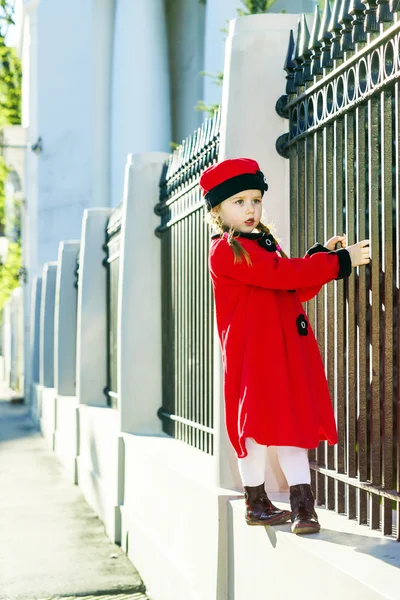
(91, 358)
(47, 325)
(66, 320)
(7, 340)
(255, 54)
(35, 329)
(139, 319)
(16, 345)
(140, 101)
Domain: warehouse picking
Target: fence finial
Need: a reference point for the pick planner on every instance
(298, 75)
(336, 28)
(371, 24)
(325, 37)
(315, 45)
(304, 50)
(290, 66)
(357, 9)
(346, 19)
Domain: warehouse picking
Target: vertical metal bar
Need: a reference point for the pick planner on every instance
(201, 311)
(375, 446)
(351, 334)
(387, 267)
(192, 342)
(211, 348)
(330, 293)
(310, 212)
(310, 225)
(170, 342)
(397, 291)
(186, 327)
(362, 302)
(198, 322)
(203, 233)
(320, 163)
(208, 330)
(301, 195)
(294, 216)
(339, 346)
(178, 258)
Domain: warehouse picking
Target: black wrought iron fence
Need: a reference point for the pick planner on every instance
(187, 301)
(343, 145)
(111, 262)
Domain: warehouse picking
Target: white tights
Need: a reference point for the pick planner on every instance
(293, 461)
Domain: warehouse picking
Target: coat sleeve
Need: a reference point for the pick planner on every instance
(308, 293)
(268, 270)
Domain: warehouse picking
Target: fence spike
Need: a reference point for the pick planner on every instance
(384, 14)
(346, 19)
(357, 9)
(298, 72)
(304, 50)
(335, 28)
(315, 45)
(290, 66)
(325, 37)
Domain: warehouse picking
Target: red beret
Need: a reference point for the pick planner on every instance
(229, 177)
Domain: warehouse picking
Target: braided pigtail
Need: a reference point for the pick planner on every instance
(264, 229)
(228, 232)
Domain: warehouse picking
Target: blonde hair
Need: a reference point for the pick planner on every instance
(239, 252)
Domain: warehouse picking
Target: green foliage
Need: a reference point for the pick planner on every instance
(10, 85)
(10, 114)
(201, 106)
(10, 272)
(7, 11)
(255, 7)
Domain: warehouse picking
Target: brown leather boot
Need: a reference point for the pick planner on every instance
(260, 510)
(304, 518)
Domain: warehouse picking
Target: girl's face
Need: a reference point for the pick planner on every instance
(241, 211)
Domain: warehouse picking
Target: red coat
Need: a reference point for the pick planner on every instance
(275, 386)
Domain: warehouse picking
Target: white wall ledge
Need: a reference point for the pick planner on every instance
(360, 561)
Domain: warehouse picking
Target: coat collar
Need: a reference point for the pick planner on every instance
(249, 236)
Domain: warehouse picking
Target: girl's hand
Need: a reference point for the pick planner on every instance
(331, 244)
(359, 253)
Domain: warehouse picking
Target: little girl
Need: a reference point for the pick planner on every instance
(275, 389)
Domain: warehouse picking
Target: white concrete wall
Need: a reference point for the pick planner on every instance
(91, 349)
(66, 435)
(47, 312)
(66, 320)
(32, 347)
(140, 89)
(183, 552)
(346, 560)
(48, 413)
(98, 465)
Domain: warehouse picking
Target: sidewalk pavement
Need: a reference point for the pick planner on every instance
(52, 544)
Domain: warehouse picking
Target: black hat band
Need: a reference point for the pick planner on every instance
(234, 185)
